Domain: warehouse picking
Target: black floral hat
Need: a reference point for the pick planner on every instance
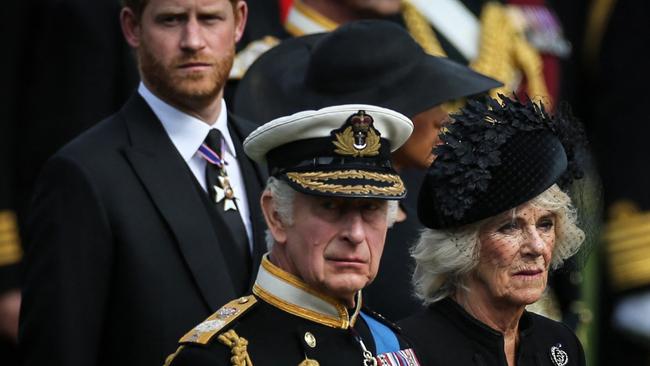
(496, 156)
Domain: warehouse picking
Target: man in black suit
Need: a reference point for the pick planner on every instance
(150, 220)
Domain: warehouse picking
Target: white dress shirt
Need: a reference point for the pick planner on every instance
(188, 133)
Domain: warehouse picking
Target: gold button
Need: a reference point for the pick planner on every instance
(243, 300)
(310, 340)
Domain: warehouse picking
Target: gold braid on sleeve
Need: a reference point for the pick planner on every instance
(495, 56)
(532, 65)
(238, 347)
(10, 249)
(309, 362)
(504, 51)
(420, 30)
(170, 358)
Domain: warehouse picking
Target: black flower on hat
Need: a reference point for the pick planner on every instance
(495, 156)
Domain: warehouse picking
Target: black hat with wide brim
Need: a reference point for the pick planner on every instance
(371, 61)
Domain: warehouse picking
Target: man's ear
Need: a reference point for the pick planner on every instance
(130, 27)
(241, 15)
(272, 218)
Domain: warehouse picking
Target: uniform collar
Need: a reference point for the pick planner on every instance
(288, 293)
(303, 19)
(186, 132)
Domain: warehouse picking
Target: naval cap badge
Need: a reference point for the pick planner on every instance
(360, 122)
(558, 356)
(359, 138)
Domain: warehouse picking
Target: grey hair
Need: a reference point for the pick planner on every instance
(283, 197)
(444, 257)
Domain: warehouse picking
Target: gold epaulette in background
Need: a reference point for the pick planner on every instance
(627, 243)
(504, 52)
(10, 250)
(204, 332)
(245, 58)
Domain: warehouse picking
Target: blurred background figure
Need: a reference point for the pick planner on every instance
(527, 33)
(65, 68)
(614, 92)
(466, 31)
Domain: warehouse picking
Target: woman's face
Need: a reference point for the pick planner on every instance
(417, 152)
(515, 254)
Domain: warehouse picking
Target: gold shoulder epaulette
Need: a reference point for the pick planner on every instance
(10, 250)
(245, 58)
(203, 333)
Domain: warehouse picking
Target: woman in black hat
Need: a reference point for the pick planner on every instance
(498, 222)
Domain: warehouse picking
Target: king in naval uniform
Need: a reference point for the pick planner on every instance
(330, 199)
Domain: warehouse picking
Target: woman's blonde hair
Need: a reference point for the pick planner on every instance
(444, 257)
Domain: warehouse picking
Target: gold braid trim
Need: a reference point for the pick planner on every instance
(495, 56)
(597, 21)
(170, 358)
(627, 242)
(10, 250)
(309, 362)
(315, 181)
(238, 347)
(316, 317)
(531, 63)
(420, 30)
(504, 51)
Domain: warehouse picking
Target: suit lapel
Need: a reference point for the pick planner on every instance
(171, 185)
(254, 180)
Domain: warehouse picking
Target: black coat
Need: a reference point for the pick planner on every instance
(445, 334)
(123, 255)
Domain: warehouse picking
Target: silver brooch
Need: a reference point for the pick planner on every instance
(559, 357)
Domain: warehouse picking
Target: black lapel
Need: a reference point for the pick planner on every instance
(170, 183)
(254, 180)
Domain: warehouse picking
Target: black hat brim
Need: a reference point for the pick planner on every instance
(275, 85)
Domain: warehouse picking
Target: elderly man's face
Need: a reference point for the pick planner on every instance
(335, 244)
(515, 255)
(186, 48)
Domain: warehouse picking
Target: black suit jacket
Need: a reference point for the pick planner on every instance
(123, 257)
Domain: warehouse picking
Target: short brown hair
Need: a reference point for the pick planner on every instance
(138, 5)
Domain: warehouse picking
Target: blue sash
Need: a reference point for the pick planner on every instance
(385, 339)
